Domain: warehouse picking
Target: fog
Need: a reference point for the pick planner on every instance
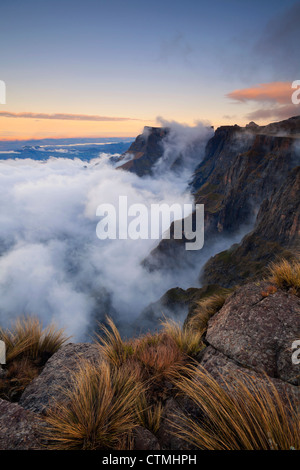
(52, 264)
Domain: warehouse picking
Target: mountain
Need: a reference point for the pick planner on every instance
(241, 169)
(145, 151)
(276, 234)
(249, 183)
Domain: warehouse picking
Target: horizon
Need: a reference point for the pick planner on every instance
(106, 69)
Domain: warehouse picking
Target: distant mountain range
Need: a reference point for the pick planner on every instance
(85, 149)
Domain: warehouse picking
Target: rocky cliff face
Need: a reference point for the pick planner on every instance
(241, 169)
(145, 151)
(276, 234)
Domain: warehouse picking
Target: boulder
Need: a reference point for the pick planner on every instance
(256, 329)
(225, 371)
(55, 378)
(19, 428)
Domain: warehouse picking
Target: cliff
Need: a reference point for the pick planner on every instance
(241, 169)
(144, 152)
(276, 234)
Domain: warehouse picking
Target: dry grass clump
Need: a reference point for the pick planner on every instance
(187, 339)
(205, 309)
(99, 412)
(28, 347)
(244, 415)
(155, 359)
(149, 415)
(286, 275)
(156, 355)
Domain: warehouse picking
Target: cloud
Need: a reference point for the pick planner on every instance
(275, 92)
(64, 117)
(274, 97)
(51, 262)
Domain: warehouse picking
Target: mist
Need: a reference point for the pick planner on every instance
(52, 265)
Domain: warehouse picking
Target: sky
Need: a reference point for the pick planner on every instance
(98, 68)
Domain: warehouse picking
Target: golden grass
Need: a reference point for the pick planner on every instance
(186, 338)
(111, 345)
(205, 309)
(28, 347)
(241, 416)
(99, 412)
(156, 355)
(149, 415)
(28, 338)
(286, 275)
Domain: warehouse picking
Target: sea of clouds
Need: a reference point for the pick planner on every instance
(52, 264)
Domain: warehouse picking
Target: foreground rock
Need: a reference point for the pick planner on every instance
(19, 429)
(51, 384)
(257, 329)
(227, 372)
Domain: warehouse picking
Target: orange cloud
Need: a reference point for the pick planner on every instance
(275, 92)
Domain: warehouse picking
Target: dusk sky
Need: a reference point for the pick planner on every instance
(107, 68)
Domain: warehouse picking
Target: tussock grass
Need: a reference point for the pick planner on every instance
(28, 347)
(205, 309)
(99, 411)
(155, 355)
(111, 345)
(149, 415)
(286, 275)
(244, 415)
(186, 338)
(28, 338)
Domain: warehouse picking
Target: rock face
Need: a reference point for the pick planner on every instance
(276, 233)
(225, 372)
(240, 170)
(256, 330)
(19, 429)
(145, 151)
(49, 386)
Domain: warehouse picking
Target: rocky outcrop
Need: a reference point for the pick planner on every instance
(256, 330)
(51, 384)
(19, 429)
(145, 151)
